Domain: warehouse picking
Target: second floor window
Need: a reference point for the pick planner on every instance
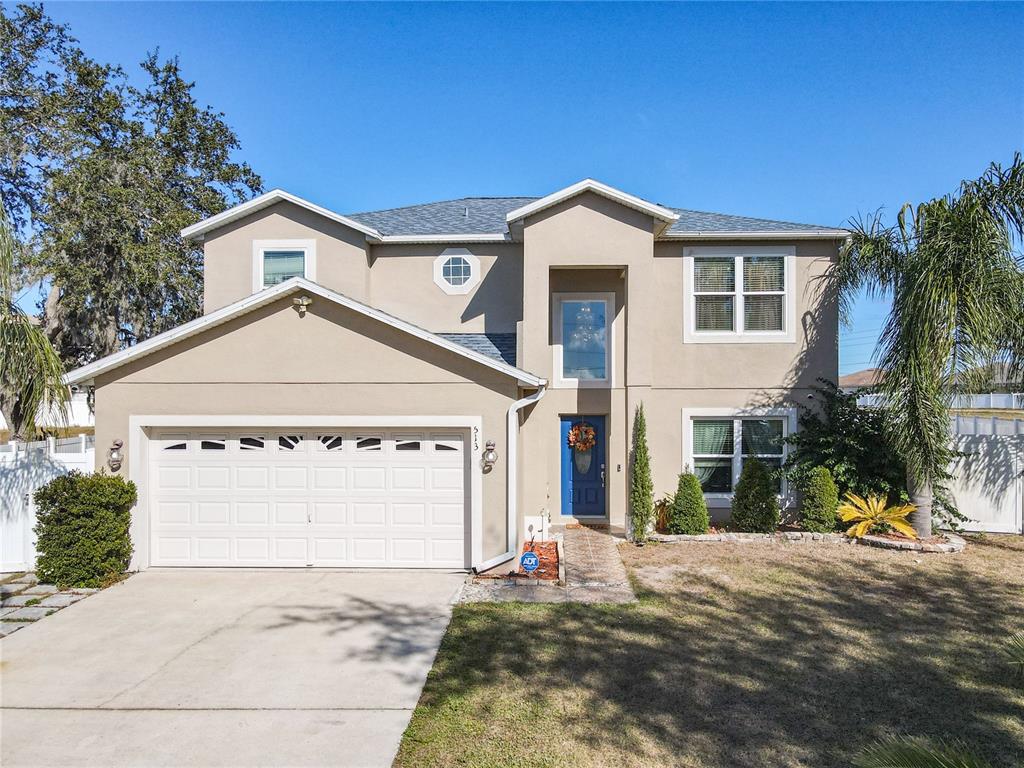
(737, 293)
(275, 261)
(279, 266)
(721, 284)
(583, 325)
(456, 271)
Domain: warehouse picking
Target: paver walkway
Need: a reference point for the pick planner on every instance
(594, 573)
(24, 600)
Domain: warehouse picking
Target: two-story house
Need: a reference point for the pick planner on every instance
(400, 388)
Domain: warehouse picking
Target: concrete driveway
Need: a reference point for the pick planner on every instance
(225, 668)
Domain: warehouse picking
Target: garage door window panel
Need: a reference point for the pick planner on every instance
(369, 443)
(409, 444)
(289, 442)
(331, 442)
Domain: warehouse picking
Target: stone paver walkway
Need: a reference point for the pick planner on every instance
(594, 573)
(24, 600)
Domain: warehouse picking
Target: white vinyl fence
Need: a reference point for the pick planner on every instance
(988, 483)
(994, 401)
(25, 467)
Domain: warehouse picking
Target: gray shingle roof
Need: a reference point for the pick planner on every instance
(500, 346)
(467, 215)
(701, 221)
(486, 215)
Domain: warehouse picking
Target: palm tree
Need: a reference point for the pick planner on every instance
(953, 270)
(31, 372)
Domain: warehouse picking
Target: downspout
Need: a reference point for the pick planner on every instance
(512, 482)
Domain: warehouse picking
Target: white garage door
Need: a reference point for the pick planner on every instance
(297, 497)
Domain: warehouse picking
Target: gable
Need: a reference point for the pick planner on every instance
(592, 188)
(397, 333)
(589, 229)
(273, 344)
(229, 261)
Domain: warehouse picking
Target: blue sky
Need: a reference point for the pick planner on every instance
(808, 113)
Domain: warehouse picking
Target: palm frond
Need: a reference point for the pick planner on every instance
(868, 262)
(908, 752)
(31, 372)
(867, 514)
(902, 526)
(1015, 651)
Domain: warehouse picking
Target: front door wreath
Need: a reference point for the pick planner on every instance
(582, 439)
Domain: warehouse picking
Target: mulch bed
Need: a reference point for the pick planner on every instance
(547, 552)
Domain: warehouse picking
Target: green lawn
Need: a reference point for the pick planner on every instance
(737, 655)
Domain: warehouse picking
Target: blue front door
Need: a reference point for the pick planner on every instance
(583, 472)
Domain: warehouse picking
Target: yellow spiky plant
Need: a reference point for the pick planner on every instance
(872, 512)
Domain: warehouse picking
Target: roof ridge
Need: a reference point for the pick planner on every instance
(442, 202)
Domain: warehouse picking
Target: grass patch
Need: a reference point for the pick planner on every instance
(737, 655)
(33, 601)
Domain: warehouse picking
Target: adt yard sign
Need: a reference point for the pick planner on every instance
(529, 561)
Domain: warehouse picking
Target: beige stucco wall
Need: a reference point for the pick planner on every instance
(341, 253)
(333, 361)
(753, 365)
(402, 283)
(562, 246)
(395, 278)
(587, 244)
(653, 365)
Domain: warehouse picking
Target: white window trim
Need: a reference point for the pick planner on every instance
(259, 246)
(788, 333)
(724, 500)
(474, 271)
(561, 382)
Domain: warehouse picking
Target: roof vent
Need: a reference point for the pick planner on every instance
(467, 211)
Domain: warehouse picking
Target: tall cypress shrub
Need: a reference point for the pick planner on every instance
(641, 486)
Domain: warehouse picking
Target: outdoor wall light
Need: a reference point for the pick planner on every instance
(114, 457)
(301, 304)
(490, 456)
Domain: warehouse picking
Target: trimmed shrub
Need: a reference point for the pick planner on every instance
(641, 486)
(689, 512)
(820, 501)
(851, 441)
(83, 529)
(755, 504)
